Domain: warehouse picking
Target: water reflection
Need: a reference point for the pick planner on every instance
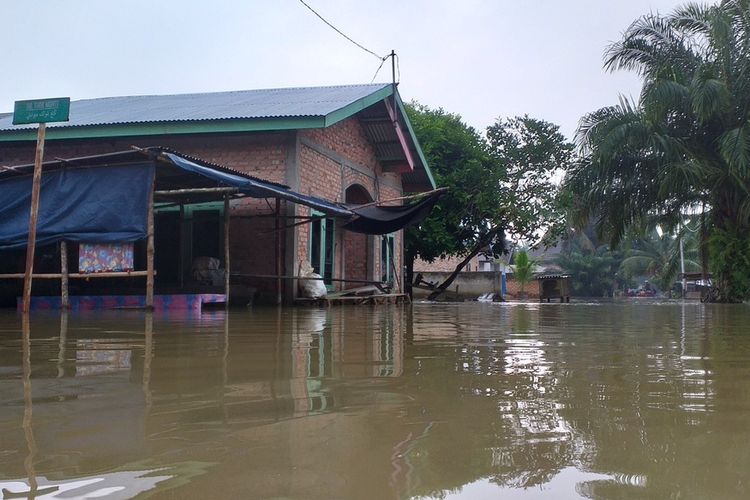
(563, 400)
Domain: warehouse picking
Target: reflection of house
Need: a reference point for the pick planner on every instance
(342, 144)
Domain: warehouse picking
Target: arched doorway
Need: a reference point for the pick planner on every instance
(357, 246)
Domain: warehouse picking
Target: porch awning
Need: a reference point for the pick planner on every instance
(104, 198)
(257, 188)
(368, 219)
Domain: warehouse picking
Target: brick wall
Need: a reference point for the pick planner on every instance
(513, 288)
(447, 264)
(328, 161)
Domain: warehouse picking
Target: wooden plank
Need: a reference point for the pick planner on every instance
(278, 251)
(57, 276)
(33, 216)
(273, 276)
(150, 251)
(214, 190)
(64, 299)
(226, 248)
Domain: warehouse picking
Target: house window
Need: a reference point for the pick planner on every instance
(322, 247)
(387, 246)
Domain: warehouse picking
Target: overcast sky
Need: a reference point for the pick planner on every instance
(480, 59)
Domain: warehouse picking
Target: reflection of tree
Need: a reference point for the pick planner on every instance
(629, 391)
(494, 405)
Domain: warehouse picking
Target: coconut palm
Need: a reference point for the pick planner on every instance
(685, 144)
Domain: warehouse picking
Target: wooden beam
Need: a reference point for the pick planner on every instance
(397, 167)
(150, 251)
(33, 216)
(277, 223)
(213, 190)
(57, 276)
(400, 134)
(226, 249)
(64, 299)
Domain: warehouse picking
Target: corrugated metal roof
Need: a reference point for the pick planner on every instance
(245, 104)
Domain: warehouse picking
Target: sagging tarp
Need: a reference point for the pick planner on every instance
(370, 219)
(79, 205)
(388, 219)
(104, 198)
(256, 188)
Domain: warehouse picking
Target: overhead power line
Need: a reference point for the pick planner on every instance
(341, 33)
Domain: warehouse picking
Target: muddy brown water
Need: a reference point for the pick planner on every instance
(519, 401)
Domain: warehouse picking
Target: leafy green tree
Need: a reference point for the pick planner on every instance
(685, 144)
(469, 217)
(534, 155)
(502, 184)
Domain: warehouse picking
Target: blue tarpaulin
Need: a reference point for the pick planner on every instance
(78, 204)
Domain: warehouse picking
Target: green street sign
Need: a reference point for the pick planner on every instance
(42, 111)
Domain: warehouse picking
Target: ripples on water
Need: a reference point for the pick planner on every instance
(599, 400)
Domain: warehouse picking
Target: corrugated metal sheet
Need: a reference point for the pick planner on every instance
(246, 104)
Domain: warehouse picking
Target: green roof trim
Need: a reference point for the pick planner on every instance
(357, 106)
(416, 142)
(166, 128)
(222, 125)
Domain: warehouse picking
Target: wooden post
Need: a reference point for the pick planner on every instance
(150, 252)
(278, 251)
(182, 252)
(33, 216)
(226, 249)
(65, 299)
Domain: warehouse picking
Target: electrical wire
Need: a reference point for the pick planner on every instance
(382, 59)
(378, 70)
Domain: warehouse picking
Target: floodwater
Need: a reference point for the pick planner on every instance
(517, 401)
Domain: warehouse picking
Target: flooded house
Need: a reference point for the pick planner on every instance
(256, 182)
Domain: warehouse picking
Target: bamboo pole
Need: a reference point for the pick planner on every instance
(278, 251)
(33, 216)
(65, 299)
(150, 252)
(214, 190)
(226, 249)
(400, 198)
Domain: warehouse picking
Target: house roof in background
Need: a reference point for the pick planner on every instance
(237, 111)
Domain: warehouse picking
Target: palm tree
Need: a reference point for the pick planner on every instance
(685, 144)
(593, 268)
(523, 269)
(658, 256)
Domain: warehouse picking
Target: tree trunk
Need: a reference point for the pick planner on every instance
(483, 242)
(409, 258)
